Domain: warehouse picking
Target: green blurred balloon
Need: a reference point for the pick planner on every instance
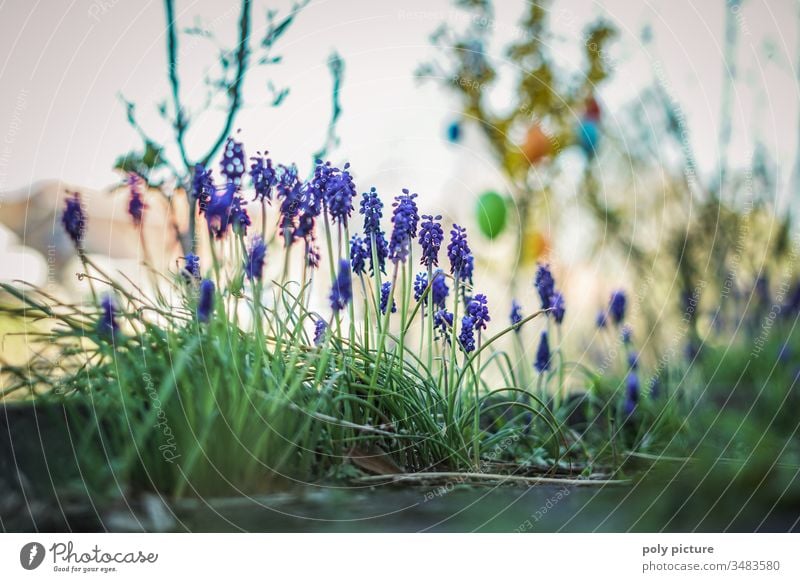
(492, 214)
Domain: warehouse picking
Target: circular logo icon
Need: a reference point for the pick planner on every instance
(31, 555)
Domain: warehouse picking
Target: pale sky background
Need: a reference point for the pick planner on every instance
(62, 65)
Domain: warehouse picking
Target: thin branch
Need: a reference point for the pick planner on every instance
(172, 71)
(235, 94)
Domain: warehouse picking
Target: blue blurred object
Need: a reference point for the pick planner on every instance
(588, 136)
(454, 132)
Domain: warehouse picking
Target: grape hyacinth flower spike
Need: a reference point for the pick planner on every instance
(404, 218)
(631, 392)
(218, 211)
(205, 302)
(239, 218)
(386, 289)
(320, 328)
(431, 236)
(478, 309)
(263, 176)
(459, 253)
(232, 165)
(136, 203)
(372, 209)
(443, 323)
(254, 264)
(191, 269)
(542, 363)
(557, 307)
(107, 326)
(203, 188)
(516, 315)
(467, 335)
(358, 255)
(342, 290)
(545, 285)
(616, 306)
(74, 219)
(626, 334)
(339, 193)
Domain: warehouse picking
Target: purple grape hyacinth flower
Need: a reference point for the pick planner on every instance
(542, 363)
(431, 236)
(381, 251)
(232, 165)
(107, 326)
(205, 303)
(386, 289)
(459, 253)
(254, 264)
(478, 309)
(263, 176)
(136, 203)
(74, 219)
(557, 307)
(516, 315)
(191, 269)
(443, 323)
(339, 193)
(616, 306)
(372, 210)
(342, 290)
(404, 218)
(203, 188)
(218, 211)
(467, 335)
(239, 218)
(631, 392)
(320, 328)
(358, 255)
(545, 284)
(626, 334)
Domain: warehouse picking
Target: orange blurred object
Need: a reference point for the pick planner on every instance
(537, 144)
(535, 246)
